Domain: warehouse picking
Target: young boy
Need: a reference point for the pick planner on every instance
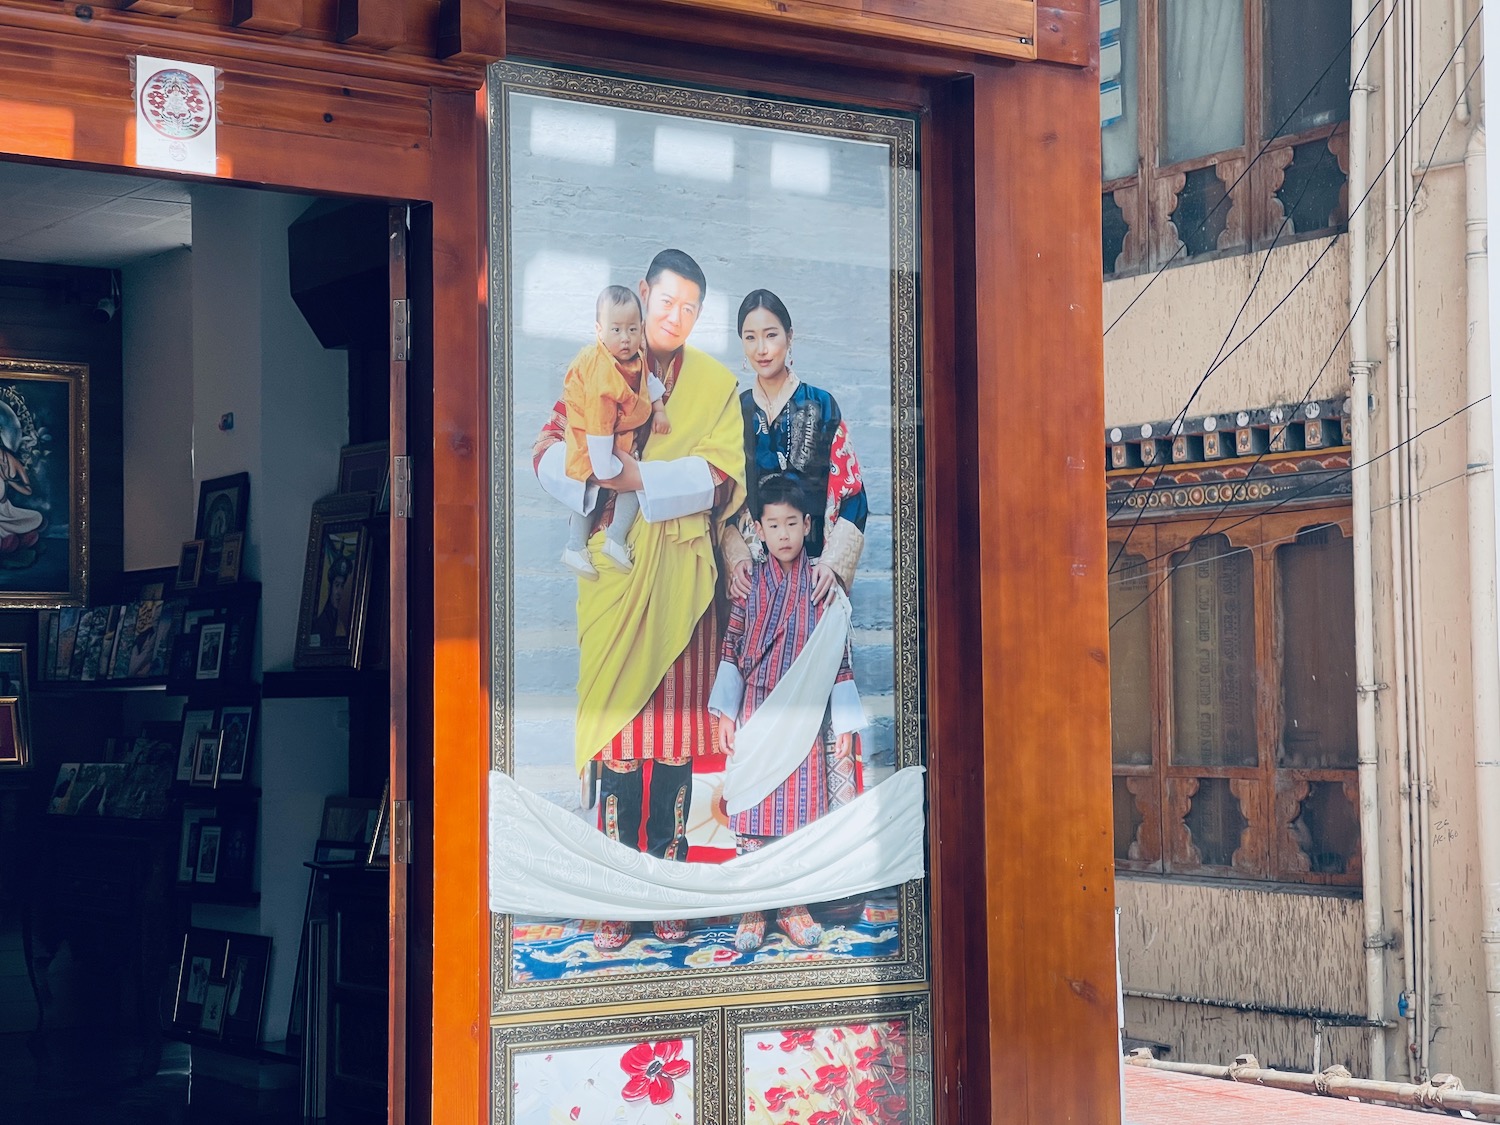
(766, 633)
(609, 394)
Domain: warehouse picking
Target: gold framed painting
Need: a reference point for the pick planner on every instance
(15, 708)
(44, 484)
(753, 473)
(867, 1060)
(335, 583)
(660, 1067)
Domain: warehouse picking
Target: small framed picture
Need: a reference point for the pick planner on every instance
(210, 651)
(229, 557)
(223, 508)
(190, 565)
(245, 976)
(365, 468)
(379, 854)
(335, 584)
(207, 869)
(237, 725)
(13, 682)
(13, 749)
(201, 964)
(66, 774)
(187, 849)
(194, 723)
(206, 757)
(338, 851)
(215, 998)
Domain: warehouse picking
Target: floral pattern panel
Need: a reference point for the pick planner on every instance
(646, 1070)
(869, 1068)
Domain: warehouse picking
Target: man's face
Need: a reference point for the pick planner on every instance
(672, 307)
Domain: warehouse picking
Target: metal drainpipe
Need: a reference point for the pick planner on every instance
(1360, 368)
(1390, 100)
(1484, 622)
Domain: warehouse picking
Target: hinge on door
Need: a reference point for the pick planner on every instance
(401, 490)
(400, 831)
(400, 329)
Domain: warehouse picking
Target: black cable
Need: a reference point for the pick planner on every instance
(1391, 9)
(1416, 116)
(1405, 217)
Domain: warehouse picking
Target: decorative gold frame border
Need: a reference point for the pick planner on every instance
(76, 375)
(703, 1027)
(914, 1007)
(900, 134)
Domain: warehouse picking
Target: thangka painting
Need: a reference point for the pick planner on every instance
(707, 759)
(43, 484)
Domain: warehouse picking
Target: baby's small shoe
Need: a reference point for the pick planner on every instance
(578, 562)
(617, 553)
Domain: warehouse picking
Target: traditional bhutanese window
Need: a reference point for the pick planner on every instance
(1223, 127)
(1233, 697)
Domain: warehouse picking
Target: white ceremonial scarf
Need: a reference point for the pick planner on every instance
(774, 741)
(546, 862)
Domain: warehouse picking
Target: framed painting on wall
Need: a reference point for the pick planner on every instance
(335, 583)
(44, 481)
(706, 672)
(660, 1067)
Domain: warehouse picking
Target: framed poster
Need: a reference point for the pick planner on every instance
(223, 509)
(863, 1060)
(44, 482)
(661, 1067)
(335, 583)
(706, 675)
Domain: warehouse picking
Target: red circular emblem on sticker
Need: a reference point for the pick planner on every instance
(176, 104)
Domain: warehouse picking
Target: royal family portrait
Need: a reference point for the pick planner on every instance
(708, 434)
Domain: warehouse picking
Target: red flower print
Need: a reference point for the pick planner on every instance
(865, 1057)
(831, 1078)
(868, 1091)
(896, 1103)
(795, 1037)
(653, 1069)
(776, 1097)
(824, 1117)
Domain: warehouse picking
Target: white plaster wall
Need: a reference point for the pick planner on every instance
(156, 323)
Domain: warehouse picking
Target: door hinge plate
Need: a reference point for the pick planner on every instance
(400, 329)
(401, 487)
(400, 831)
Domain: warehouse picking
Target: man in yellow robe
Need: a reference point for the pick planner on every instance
(648, 637)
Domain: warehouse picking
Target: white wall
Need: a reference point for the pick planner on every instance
(158, 409)
(211, 332)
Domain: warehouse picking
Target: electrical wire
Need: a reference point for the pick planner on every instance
(1264, 148)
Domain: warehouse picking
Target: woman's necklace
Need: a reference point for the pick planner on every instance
(771, 402)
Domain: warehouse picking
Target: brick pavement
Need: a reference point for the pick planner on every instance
(1154, 1097)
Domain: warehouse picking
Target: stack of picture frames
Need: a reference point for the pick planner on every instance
(727, 921)
(214, 747)
(342, 623)
(221, 986)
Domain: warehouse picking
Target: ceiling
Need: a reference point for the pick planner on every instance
(68, 216)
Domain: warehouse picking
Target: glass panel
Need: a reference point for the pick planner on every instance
(1306, 64)
(1202, 211)
(1130, 660)
(1215, 822)
(1327, 828)
(1202, 77)
(1316, 579)
(1120, 140)
(1310, 189)
(1115, 231)
(1128, 819)
(1213, 655)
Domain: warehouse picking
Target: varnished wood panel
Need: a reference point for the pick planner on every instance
(1041, 593)
(279, 16)
(1004, 28)
(372, 23)
(1067, 31)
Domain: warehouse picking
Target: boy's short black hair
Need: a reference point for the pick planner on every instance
(616, 297)
(782, 488)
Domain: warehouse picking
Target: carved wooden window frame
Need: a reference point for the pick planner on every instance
(1270, 795)
(1148, 199)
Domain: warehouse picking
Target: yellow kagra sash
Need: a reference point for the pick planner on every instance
(632, 626)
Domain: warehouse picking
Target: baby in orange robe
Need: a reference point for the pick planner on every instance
(609, 394)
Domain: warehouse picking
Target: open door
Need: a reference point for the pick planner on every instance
(399, 809)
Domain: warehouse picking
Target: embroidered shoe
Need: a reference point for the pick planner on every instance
(578, 562)
(670, 931)
(751, 931)
(611, 936)
(617, 553)
(799, 926)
